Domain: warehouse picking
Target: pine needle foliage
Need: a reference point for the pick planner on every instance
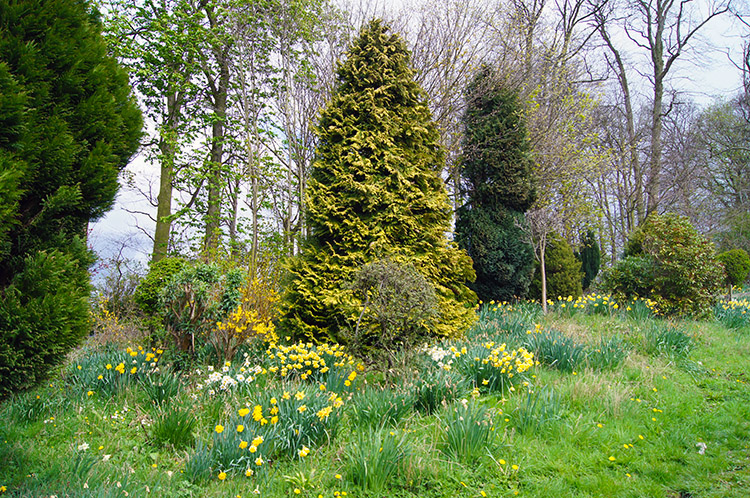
(375, 193)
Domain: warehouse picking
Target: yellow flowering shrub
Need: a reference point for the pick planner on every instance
(252, 320)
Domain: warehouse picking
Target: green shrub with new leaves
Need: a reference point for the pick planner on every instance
(195, 299)
(736, 267)
(149, 289)
(375, 192)
(670, 262)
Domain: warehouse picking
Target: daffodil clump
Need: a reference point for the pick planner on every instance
(111, 371)
(489, 366)
(733, 314)
(315, 364)
(603, 304)
(287, 424)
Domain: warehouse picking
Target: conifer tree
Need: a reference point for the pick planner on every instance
(563, 271)
(590, 258)
(497, 178)
(68, 125)
(375, 193)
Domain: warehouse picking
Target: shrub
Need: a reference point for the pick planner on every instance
(195, 299)
(149, 289)
(736, 267)
(251, 320)
(375, 191)
(43, 314)
(398, 312)
(562, 269)
(590, 258)
(631, 277)
(669, 261)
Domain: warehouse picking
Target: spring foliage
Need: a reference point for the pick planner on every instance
(496, 173)
(374, 193)
(68, 125)
(670, 262)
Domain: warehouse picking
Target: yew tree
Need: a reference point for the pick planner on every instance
(499, 187)
(375, 193)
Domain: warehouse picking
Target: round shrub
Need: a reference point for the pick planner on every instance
(150, 288)
(670, 262)
(398, 311)
(562, 269)
(736, 266)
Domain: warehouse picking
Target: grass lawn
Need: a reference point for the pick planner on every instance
(614, 403)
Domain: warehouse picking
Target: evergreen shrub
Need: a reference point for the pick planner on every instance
(675, 265)
(563, 271)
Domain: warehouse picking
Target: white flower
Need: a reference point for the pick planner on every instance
(83, 446)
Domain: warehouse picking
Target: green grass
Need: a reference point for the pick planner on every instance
(653, 408)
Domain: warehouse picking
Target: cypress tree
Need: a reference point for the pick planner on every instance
(375, 193)
(497, 177)
(562, 268)
(68, 125)
(590, 258)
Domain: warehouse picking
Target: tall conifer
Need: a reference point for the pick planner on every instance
(374, 193)
(497, 179)
(68, 125)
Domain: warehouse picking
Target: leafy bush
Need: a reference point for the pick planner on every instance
(195, 299)
(398, 312)
(669, 261)
(251, 320)
(736, 267)
(562, 269)
(149, 289)
(43, 315)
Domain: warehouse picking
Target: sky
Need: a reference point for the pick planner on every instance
(705, 76)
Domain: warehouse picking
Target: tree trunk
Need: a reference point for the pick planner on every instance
(168, 152)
